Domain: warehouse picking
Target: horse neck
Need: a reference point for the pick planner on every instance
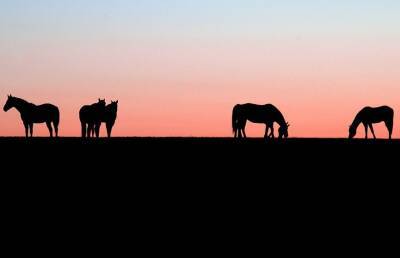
(21, 105)
(110, 113)
(281, 121)
(356, 122)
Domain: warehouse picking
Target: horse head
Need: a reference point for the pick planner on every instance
(9, 104)
(352, 131)
(101, 103)
(113, 106)
(283, 131)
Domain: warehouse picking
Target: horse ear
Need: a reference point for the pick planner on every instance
(116, 102)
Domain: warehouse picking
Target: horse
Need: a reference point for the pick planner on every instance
(372, 115)
(32, 114)
(263, 114)
(109, 116)
(90, 117)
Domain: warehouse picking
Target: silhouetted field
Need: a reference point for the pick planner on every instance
(172, 154)
(290, 180)
(207, 160)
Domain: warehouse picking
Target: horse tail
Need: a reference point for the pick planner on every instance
(391, 118)
(57, 117)
(235, 118)
(81, 115)
(56, 120)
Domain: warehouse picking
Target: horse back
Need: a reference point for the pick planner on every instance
(85, 113)
(376, 114)
(48, 107)
(261, 113)
(43, 113)
(90, 113)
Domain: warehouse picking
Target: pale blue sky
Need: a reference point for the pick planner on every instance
(45, 17)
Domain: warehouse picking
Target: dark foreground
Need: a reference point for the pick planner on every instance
(194, 186)
(220, 162)
(201, 155)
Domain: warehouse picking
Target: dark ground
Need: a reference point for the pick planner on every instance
(172, 154)
(205, 166)
(222, 188)
(206, 158)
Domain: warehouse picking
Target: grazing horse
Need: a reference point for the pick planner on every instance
(368, 116)
(90, 117)
(31, 114)
(109, 116)
(263, 114)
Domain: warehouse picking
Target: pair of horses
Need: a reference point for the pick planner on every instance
(268, 114)
(91, 116)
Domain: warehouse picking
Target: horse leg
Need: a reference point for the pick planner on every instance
(31, 129)
(26, 125)
(50, 129)
(266, 132)
(89, 130)
(97, 129)
(55, 128)
(366, 131)
(109, 127)
(92, 130)
(83, 129)
(389, 126)
(272, 132)
(243, 128)
(372, 130)
(240, 133)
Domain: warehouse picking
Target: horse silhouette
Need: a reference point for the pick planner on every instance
(109, 116)
(90, 117)
(263, 114)
(368, 116)
(32, 114)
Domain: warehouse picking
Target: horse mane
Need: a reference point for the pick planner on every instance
(23, 101)
(357, 119)
(94, 104)
(280, 119)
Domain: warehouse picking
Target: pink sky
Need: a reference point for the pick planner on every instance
(176, 76)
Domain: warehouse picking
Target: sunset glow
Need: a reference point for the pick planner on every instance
(178, 67)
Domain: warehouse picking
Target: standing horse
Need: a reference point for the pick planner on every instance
(109, 117)
(90, 117)
(368, 116)
(31, 114)
(263, 114)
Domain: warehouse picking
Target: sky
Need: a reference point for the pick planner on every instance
(178, 67)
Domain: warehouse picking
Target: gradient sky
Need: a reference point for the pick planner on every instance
(178, 67)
